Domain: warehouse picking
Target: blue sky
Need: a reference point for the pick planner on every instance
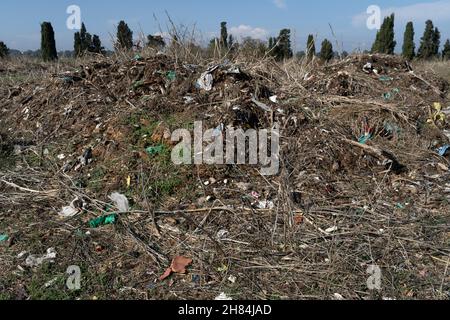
(20, 19)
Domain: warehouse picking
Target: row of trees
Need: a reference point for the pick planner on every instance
(279, 47)
(429, 44)
(85, 42)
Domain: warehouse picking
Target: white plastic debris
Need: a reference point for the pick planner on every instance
(263, 106)
(35, 260)
(50, 283)
(61, 157)
(274, 99)
(206, 80)
(188, 100)
(67, 212)
(73, 209)
(232, 279)
(243, 186)
(222, 234)
(266, 205)
(22, 254)
(120, 201)
(338, 296)
(223, 297)
(332, 229)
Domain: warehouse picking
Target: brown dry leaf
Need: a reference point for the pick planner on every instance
(179, 265)
(298, 219)
(166, 274)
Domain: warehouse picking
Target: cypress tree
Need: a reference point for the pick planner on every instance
(310, 47)
(446, 50)
(326, 52)
(409, 46)
(124, 36)
(230, 41)
(85, 43)
(48, 45)
(282, 45)
(285, 44)
(4, 51)
(223, 35)
(436, 42)
(428, 40)
(77, 46)
(272, 43)
(384, 41)
(97, 44)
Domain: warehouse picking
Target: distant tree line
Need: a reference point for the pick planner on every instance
(429, 43)
(280, 47)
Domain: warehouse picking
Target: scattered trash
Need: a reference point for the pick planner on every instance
(188, 100)
(172, 75)
(61, 157)
(103, 221)
(85, 159)
(75, 206)
(386, 79)
(400, 206)
(443, 150)
(437, 116)
(391, 94)
(120, 202)
(244, 186)
(50, 283)
(179, 265)
(368, 68)
(4, 237)
(219, 130)
(365, 138)
(262, 105)
(137, 57)
(35, 260)
(232, 279)
(223, 297)
(68, 212)
(152, 151)
(222, 234)
(196, 278)
(274, 99)
(391, 130)
(128, 181)
(266, 205)
(206, 80)
(338, 296)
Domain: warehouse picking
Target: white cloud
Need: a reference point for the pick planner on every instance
(280, 4)
(244, 31)
(437, 11)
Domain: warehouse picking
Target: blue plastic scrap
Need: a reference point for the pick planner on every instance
(443, 150)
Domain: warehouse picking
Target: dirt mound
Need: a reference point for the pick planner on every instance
(362, 180)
